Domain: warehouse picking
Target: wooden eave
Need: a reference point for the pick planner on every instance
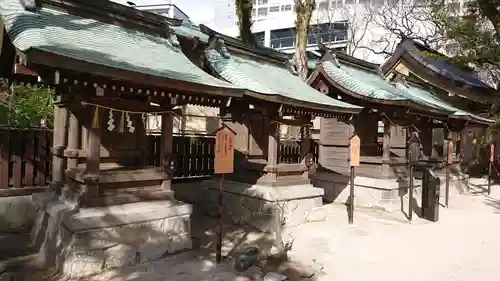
(401, 103)
(293, 105)
(401, 54)
(35, 58)
(436, 79)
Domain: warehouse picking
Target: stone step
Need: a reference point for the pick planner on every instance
(109, 197)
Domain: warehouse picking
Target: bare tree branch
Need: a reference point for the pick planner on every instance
(405, 20)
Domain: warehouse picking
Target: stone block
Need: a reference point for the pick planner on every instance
(83, 264)
(39, 228)
(120, 256)
(17, 214)
(96, 239)
(179, 243)
(154, 248)
(176, 225)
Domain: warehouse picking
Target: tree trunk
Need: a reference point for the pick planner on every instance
(303, 11)
(244, 12)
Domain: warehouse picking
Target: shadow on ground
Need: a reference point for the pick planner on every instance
(198, 264)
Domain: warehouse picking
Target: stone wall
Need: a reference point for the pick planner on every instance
(17, 215)
(88, 241)
(253, 205)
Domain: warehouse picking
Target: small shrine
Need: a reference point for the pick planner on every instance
(460, 88)
(111, 67)
(275, 97)
(401, 106)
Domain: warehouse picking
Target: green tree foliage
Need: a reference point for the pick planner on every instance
(476, 32)
(30, 106)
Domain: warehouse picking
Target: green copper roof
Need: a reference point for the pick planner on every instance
(429, 97)
(189, 30)
(371, 85)
(96, 42)
(269, 79)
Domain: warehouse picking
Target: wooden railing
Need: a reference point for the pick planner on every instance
(26, 161)
(289, 151)
(193, 155)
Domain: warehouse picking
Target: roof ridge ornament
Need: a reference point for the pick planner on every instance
(401, 79)
(30, 5)
(217, 43)
(331, 57)
(291, 67)
(171, 37)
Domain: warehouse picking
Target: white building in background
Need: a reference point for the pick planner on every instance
(336, 23)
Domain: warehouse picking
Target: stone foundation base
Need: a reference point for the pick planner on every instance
(254, 204)
(386, 194)
(87, 241)
(369, 192)
(17, 214)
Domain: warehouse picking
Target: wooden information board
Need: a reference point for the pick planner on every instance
(449, 152)
(492, 152)
(224, 150)
(354, 150)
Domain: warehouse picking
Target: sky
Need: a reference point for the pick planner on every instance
(199, 11)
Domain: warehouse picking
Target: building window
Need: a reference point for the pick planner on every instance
(262, 2)
(283, 38)
(451, 50)
(350, 2)
(262, 12)
(253, 12)
(259, 38)
(323, 5)
(336, 4)
(274, 9)
(327, 33)
(286, 8)
(454, 7)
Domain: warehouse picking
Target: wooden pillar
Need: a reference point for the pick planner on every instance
(305, 148)
(93, 161)
(426, 137)
(273, 151)
(447, 135)
(58, 146)
(386, 148)
(167, 131)
(73, 140)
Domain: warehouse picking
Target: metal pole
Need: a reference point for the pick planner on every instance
(489, 177)
(219, 238)
(351, 197)
(410, 195)
(447, 188)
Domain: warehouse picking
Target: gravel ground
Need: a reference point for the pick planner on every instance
(463, 246)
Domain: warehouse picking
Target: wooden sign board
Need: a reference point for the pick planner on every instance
(492, 152)
(224, 150)
(449, 152)
(354, 150)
